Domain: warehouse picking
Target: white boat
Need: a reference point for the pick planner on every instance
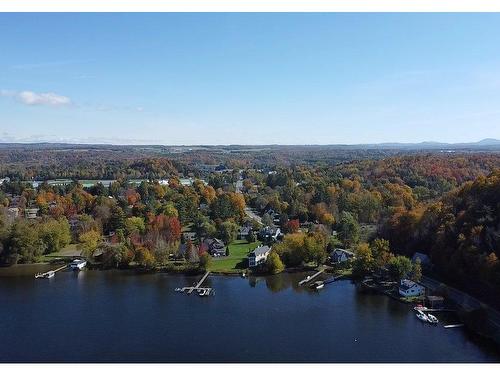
(78, 264)
(204, 293)
(45, 275)
(318, 285)
(432, 319)
(421, 315)
(420, 308)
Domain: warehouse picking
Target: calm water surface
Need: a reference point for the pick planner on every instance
(116, 316)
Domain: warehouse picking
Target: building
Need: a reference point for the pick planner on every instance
(269, 233)
(258, 256)
(244, 232)
(191, 236)
(30, 213)
(13, 212)
(341, 255)
(214, 247)
(435, 302)
(408, 288)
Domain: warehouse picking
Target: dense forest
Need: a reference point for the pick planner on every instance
(443, 204)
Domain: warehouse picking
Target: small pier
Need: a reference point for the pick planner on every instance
(201, 290)
(49, 274)
(311, 278)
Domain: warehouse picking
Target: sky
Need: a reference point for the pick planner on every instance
(249, 78)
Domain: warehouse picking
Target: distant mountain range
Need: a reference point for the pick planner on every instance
(487, 143)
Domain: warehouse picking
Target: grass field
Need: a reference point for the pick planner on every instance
(237, 259)
(69, 251)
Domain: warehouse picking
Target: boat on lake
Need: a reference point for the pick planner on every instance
(420, 308)
(78, 264)
(432, 319)
(45, 275)
(422, 316)
(318, 285)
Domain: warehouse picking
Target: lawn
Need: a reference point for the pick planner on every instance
(70, 251)
(237, 259)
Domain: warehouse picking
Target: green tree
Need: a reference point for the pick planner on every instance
(134, 225)
(416, 273)
(381, 252)
(363, 263)
(251, 237)
(89, 242)
(24, 244)
(228, 231)
(274, 264)
(399, 267)
(55, 234)
(349, 229)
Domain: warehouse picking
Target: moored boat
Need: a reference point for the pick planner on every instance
(45, 275)
(432, 319)
(78, 264)
(318, 285)
(422, 316)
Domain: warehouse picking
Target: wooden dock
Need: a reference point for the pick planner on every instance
(197, 287)
(311, 278)
(60, 268)
(46, 275)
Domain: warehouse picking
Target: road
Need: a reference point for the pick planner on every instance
(248, 211)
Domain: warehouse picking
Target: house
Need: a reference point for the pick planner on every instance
(341, 255)
(258, 256)
(244, 232)
(435, 302)
(275, 217)
(191, 236)
(269, 233)
(13, 212)
(425, 261)
(214, 247)
(30, 213)
(408, 288)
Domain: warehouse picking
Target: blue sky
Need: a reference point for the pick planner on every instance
(249, 78)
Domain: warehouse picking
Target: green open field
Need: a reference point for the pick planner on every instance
(237, 259)
(69, 251)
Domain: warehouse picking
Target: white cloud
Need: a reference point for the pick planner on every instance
(33, 98)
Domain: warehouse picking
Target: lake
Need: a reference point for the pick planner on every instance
(121, 316)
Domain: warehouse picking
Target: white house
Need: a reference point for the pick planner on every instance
(258, 256)
(408, 288)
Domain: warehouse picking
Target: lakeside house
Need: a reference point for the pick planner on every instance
(341, 255)
(408, 288)
(269, 233)
(214, 247)
(258, 256)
